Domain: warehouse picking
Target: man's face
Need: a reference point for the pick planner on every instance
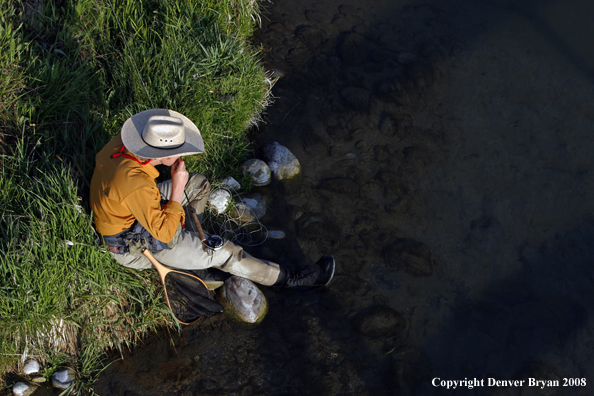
(169, 160)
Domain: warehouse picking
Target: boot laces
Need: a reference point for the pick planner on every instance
(305, 273)
(303, 276)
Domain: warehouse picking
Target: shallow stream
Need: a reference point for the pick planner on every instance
(447, 165)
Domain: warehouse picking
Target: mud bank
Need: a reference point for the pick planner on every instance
(446, 151)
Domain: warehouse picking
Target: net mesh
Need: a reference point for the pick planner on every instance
(189, 299)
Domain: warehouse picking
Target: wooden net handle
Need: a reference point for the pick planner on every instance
(162, 270)
(198, 226)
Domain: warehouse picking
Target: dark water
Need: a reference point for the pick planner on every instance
(447, 156)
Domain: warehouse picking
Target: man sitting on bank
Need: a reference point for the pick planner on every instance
(127, 202)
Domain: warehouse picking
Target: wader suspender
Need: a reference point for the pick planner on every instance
(122, 154)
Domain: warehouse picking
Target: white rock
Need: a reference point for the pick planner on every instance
(219, 200)
(231, 183)
(243, 300)
(275, 234)
(258, 171)
(31, 367)
(282, 162)
(22, 389)
(63, 379)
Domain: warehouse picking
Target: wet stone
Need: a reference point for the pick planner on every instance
(338, 133)
(275, 234)
(311, 142)
(339, 185)
(390, 90)
(353, 49)
(356, 97)
(281, 161)
(379, 321)
(381, 153)
(276, 27)
(361, 145)
(62, 379)
(335, 151)
(252, 207)
(23, 389)
(311, 37)
(320, 72)
(321, 230)
(412, 256)
(242, 300)
(258, 170)
(388, 126)
(297, 57)
(31, 367)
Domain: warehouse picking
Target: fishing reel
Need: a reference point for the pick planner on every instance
(214, 242)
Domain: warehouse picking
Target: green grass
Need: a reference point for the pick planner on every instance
(62, 298)
(68, 83)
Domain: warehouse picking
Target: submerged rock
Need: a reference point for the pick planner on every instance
(242, 300)
(31, 367)
(23, 389)
(64, 378)
(258, 171)
(415, 257)
(282, 162)
(275, 234)
(356, 97)
(251, 208)
(379, 321)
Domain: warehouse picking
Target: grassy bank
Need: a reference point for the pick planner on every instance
(72, 73)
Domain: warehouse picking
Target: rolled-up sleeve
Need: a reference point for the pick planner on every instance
(161, 221)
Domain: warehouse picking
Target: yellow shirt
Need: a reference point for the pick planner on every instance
(123, 190)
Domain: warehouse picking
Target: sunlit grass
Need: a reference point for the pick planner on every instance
(68, 83)
(61, 297)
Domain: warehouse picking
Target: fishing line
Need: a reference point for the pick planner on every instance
(231, 228)
(131, 56)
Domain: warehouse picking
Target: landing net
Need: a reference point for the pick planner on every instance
(188, 298)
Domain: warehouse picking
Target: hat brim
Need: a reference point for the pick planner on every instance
(132, 136)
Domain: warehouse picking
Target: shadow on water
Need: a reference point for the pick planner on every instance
(445, 152)
(504, 327)
(530, 325)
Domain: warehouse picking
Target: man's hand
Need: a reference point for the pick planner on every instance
(179, 179)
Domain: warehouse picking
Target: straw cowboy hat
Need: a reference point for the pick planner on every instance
(160, 133)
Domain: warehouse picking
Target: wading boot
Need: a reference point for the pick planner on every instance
(318, 274)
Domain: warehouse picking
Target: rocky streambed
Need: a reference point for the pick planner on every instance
(446, 163)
